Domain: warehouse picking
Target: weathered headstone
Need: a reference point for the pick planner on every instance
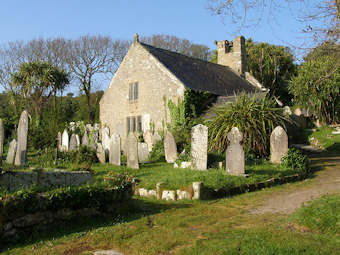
(143, 152)
(235, 154)
(106, 141)
(100, 153)
(78, 141)
(94, 136)
(65, 141)
(115, 148)
(148, 138)
(20, 156)
(155, 138)
(278, 144)
(59, 146)
(73, 143)
(132, 151)
(85, 139)
(2, 139)
(11, 152)
(170, 148)
(199, 147)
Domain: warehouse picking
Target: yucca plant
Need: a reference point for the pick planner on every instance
(255, 116)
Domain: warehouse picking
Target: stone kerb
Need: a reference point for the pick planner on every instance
(170, 148)
(199, 147)
(115, 149)
(20, 156)
(132, 151)
(235, 161)
(278, 144)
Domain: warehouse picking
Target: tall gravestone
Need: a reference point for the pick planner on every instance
(11, 152)
(59, 147)
(148, 138)
(143, 152)
(85, 139)
(132, 151)
(20, 156)
(115, 148)
(235, 161)
(73, 143)
(278, 144)
(94, 136)
(170, 148)
(106, 141)
(2, 139)
(199, 147)
(78, 141)
(65, 141)
(100, 153)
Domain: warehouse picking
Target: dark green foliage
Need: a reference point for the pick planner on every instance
(90, 196)
(85, 157)
(157, 154)
(186, 114)
(296, 161)
(214, 158)
(321, 215)
(254, 116)
(42, 158)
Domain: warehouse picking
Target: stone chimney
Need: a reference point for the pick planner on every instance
(233, 54)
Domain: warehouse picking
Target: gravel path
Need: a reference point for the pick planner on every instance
(326, 181)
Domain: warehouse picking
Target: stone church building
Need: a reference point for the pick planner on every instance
(135, 98)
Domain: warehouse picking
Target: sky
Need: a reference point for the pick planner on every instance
(120, 19)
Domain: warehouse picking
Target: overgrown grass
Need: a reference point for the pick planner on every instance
(322, 215)
(174, 178)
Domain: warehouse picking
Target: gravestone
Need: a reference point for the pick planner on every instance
(11, 152)
(100, 153)
(20, 156)
(278, 144)
(65, 141)
(2, 139)
(94, 136)
(143, 152)
(132, 151)
(148, 138)
(155, 138)
(85, 139)
(106, 141)
(170, 148)
(73, 143)
(235, 153)
(59, 147)
(78, 141)
(115, 148)
(199, 147)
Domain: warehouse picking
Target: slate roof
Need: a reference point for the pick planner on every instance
(201, 75)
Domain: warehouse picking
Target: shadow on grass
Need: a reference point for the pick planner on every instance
(126, 212)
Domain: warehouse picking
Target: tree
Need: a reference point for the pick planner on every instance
(179, 45)
(317, 88)
(272, 66)
(36, 82)
(321, 19)
(90, 56)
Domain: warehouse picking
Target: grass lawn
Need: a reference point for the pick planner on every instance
(323, 136)
(222, 226)
(175, 178)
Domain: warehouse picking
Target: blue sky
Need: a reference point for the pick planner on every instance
(190, 19)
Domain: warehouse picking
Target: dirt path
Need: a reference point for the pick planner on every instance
(326, 181)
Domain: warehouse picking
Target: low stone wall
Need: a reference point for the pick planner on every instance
(199, 191)
(13, 181)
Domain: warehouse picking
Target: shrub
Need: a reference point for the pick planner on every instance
(296, 161)
(157, 154)
(118, 179)
(255, 116)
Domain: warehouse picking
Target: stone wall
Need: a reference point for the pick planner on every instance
(12, 181)
(154, 81)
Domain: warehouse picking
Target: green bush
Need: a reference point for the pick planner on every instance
(255, 116)
(296, 161)
(157, 154)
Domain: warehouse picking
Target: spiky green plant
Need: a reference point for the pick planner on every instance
(255, 116)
